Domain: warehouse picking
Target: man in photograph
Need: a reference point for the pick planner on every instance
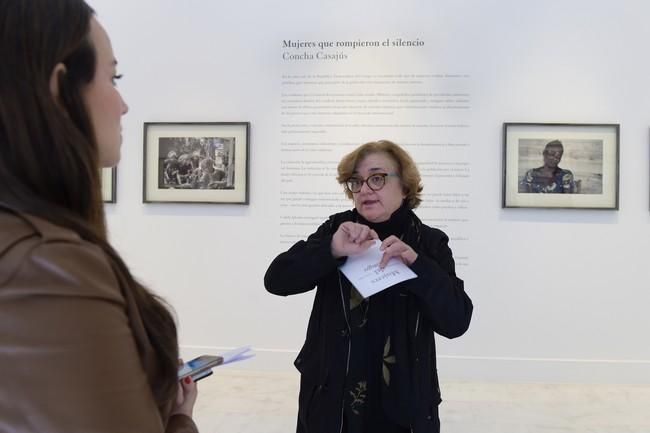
(549, 178)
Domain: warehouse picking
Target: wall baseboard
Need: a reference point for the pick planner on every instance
(475, 368)
(546, 370)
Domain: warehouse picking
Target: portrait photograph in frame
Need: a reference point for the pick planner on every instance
(560, 165)
(109, 183)
(199, 162)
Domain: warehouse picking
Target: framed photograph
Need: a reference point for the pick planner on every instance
(560, 165)
(196, 162)
(109, 183)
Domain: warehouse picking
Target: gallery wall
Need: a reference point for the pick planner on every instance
(560, 294)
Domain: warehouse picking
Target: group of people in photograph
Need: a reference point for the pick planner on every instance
(195, 164)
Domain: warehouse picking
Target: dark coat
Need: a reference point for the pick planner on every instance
(409, 312)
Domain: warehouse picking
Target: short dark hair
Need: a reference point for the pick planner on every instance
(408, 171)
(554, 143)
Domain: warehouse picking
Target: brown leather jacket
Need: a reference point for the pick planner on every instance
(68, 339)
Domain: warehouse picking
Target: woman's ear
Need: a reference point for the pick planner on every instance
(55, 81)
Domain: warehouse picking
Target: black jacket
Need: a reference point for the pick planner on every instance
(410, 313)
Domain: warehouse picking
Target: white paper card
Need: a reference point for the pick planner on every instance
(238, 354)
(363, 271)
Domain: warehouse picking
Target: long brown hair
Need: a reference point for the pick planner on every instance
(49, 159)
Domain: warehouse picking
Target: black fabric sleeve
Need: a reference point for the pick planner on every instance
(299, 269)
(441, 293)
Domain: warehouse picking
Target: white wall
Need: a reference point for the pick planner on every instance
(560, 295)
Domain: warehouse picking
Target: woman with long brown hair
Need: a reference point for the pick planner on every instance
(83, 346)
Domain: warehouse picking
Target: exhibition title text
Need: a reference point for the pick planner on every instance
(296, 49)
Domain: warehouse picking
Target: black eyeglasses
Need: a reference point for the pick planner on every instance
(375, 182)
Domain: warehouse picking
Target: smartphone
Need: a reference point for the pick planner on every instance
(199, 368)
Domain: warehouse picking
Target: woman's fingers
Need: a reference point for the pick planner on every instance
(352, 238)
(392, 246)
(358, 233)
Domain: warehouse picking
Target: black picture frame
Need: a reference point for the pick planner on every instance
(109, 184)
(196, 162)
(586, 175)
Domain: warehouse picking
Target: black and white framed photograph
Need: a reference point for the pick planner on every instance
(561, 165)
(196, 162)
(109, 183)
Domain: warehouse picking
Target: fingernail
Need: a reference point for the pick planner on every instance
(188, 380)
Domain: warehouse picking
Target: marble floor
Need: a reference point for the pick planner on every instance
(234, 401)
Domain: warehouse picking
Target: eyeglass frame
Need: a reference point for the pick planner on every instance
(382, 175)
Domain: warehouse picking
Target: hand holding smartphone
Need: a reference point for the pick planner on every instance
(199, 368)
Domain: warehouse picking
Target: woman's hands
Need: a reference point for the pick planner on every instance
(393, 246)
(352, 238)
(186, 397)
